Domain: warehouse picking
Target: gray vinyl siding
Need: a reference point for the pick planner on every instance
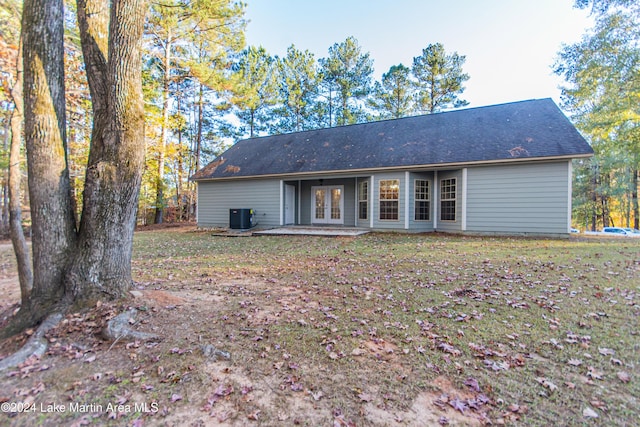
(305, 202)
(518, 198)
(530, 198)
(216, 198)
(451, 226)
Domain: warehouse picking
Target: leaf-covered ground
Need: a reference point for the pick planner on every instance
(378, 330)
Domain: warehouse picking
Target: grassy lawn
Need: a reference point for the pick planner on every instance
(382, 329)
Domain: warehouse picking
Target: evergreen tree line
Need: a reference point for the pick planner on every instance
(296, 92)
(602, 95)
(204, 89)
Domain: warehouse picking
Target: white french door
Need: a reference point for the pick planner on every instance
(327, 204)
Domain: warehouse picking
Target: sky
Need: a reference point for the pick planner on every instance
(510, 45)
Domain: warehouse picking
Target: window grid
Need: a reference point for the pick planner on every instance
(422, 200)
(336, 196)
(448, 199)
(363, 200)
(389, 197)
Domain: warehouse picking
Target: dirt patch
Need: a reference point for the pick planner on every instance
(99, 381)
(161, 298)
(179, 384)
(184, 227)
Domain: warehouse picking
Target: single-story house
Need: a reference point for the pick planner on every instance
(500, 169)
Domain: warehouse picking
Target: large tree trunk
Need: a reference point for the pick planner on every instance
(101, 263)
(25, 273)
(72, 267)
(53, 231)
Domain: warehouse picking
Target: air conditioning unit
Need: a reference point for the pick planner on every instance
(241, 219)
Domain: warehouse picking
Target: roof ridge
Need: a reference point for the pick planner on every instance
(514, 131)
(439, 113)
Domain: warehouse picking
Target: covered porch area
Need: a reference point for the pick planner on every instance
(321, 202)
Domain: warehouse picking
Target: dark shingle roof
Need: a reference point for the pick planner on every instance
(526, 129)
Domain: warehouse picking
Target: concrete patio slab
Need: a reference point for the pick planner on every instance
(312, 231)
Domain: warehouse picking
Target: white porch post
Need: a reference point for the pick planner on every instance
(463, 204)
(406, 200)
(299, 201)
(357, 192)
(435, 200)
(281, 202)
(570, 195)
(371, 201)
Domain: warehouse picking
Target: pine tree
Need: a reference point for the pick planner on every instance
(439, 79)
(298, 78)
(347, 72)
(255, 89)
(394, 96)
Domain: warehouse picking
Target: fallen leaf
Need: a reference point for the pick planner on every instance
(599, 404)
(596, 375)
(624, 376)
(547, 384)
(122, 399)
(365, 397)
(358, 352)
(589, 413)
(223, 390)
(606, 351)
(448, 348)
(473, 384)
(518, 409)
(575, 362)
(458, 405)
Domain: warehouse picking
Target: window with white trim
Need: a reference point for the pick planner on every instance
(389, 197)
(363, 200)
(448, 199)
(422, 200)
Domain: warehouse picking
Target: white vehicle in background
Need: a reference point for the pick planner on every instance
(620, 231)
(615, 232)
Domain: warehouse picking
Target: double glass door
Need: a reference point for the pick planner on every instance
(328, 205)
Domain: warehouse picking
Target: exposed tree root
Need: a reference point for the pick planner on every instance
(116, 329)
(119, 328)
(35, 346)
